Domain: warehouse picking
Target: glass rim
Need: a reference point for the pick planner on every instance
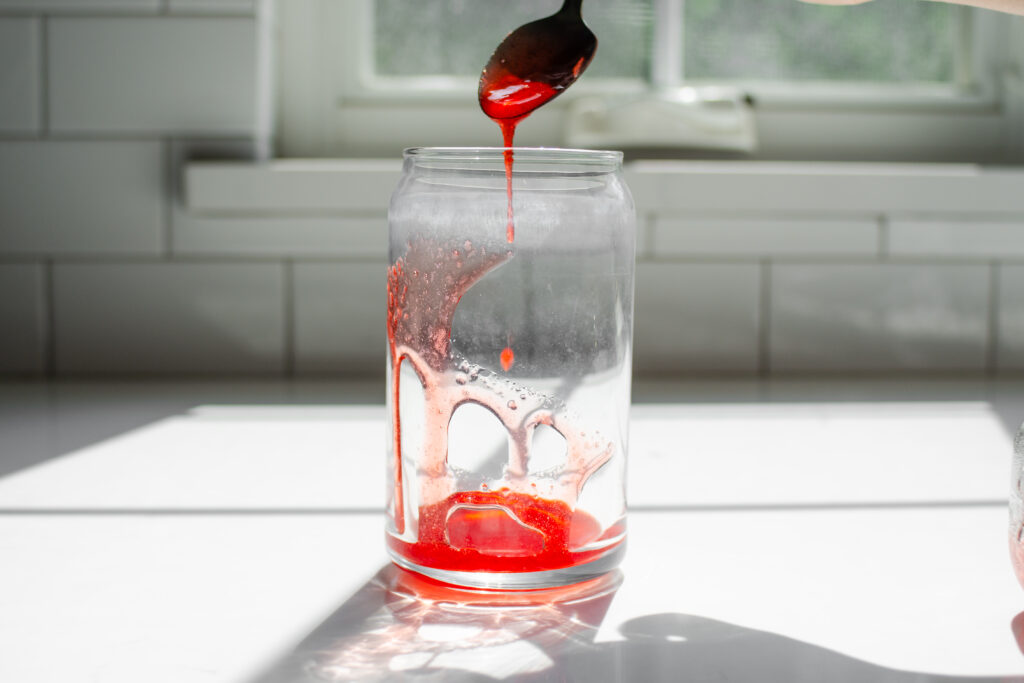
(542, 154)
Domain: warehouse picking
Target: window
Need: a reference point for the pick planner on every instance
(721, 39)
(898, 80)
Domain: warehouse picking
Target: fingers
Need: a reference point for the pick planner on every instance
(836, 2)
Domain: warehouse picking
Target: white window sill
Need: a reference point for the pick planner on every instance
(364, 186)
(290, 186)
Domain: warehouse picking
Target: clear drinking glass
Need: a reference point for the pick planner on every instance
(1017, 507)
(509, 365)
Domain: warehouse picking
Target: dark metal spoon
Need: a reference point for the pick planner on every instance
(536, 63)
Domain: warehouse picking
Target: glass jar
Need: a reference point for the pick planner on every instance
(1017, 507)
(510, 316)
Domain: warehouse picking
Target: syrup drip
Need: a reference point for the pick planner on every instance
(507, 100)
(508, 357)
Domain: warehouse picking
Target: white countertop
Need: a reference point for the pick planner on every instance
(800, 530)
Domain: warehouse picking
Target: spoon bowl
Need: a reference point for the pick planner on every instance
(535, 63)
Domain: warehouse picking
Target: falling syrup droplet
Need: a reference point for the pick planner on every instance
(507, 358)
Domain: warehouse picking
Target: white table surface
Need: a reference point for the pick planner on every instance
(230, 531)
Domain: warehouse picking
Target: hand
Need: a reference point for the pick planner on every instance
(1008, 6)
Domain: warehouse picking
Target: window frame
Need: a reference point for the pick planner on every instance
(978, 119)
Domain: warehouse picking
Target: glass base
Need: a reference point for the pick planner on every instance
(520, 580)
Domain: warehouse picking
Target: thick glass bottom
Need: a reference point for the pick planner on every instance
(550, 578)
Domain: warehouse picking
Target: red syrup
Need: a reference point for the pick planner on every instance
(507, 100)
(503, 531)
(533, 65)
(508, 358)
(509, 92)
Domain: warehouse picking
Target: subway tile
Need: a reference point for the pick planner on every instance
(340, 312)
(696, 318)
(878, 317)
(215, 6)
(729, 236)
(977, 238)
(235, 206)
(299, 236)
(19, 75)
(203, 318)
(158, 74)
(644, 231)
(22, 319)
(1010, 343)
(824, 187)
(81, 197)
(82, 5)
(291, 185)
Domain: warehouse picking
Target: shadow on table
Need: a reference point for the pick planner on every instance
(401, 627)
(41, 421)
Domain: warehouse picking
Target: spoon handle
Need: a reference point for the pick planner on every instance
(572, 7)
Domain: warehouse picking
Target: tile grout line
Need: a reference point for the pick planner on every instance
(44, 75)
(883, 237)
(650, 230)
(992, 347)
(50, 321)
(170, 196)
(289, 317)
(764, 320)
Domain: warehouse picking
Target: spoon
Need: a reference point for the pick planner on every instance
(536, 63)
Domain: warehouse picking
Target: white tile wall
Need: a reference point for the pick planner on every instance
(215, 6)
(19, 75)
(852, 317)
(296, 236)
(343, 217)
(81, 5)
(22, 319)
(137, 74)
(1010, 348)
(295, 186)
(169, 318)
(824, 188)
(977, 237)
(81, 197)
(216, 268)
(760, 237)
(697, 318)
(340, 318)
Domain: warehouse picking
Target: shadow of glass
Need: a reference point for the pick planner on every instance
(663, 647)
(401, 627)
